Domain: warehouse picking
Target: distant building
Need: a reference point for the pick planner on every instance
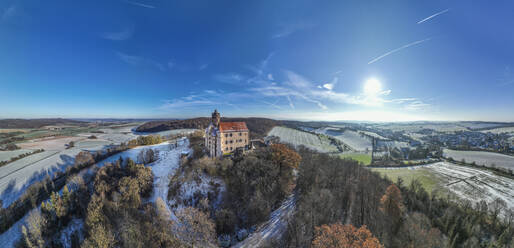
(225, 137)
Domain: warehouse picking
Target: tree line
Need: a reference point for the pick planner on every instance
(334, 191)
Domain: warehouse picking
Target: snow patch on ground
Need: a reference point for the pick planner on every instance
(203, 185)
(11, 236)
(75, 226)
(164, 168)
(272, 229)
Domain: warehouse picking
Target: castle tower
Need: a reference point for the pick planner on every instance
(216, 118)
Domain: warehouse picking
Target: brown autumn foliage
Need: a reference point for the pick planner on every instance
(391, 204)
(347, 236)
(283, 156)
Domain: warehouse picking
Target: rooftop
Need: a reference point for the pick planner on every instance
(233, 126)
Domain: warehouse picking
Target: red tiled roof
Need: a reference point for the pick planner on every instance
(233, 126)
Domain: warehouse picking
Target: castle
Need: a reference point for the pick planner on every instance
(223, 138)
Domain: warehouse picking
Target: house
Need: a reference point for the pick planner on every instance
(223, 138)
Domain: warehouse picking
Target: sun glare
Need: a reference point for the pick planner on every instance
(372, 87)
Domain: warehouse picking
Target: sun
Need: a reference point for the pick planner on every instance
(372, 87)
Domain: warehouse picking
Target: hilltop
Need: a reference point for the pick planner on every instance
(259, 127)
(37, 123)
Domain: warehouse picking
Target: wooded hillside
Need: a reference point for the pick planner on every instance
(36, 123)
(259, 127)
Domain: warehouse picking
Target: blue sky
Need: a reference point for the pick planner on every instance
(307, 60)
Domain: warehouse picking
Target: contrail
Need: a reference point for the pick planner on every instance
(141, 4)
(434, 15)
(397, 49)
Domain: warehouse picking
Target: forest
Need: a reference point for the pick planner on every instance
(258, 127)
(339, 203)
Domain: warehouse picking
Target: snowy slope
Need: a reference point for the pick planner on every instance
(165, 167)
(273, 228)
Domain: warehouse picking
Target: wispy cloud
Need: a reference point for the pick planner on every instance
(434, 15)
(9, 12)
(124, 34)
(290, 28)
(396, 50)
(230, 77)
(416, 105)
(274, 105)
(139, 61)
(203, 67)
(171, 64)
(507, 78)
(290, 102)
(329, 86)
(144, 5)
(212, 98)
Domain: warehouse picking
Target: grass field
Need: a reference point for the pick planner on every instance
(363, 158)
(425, 177)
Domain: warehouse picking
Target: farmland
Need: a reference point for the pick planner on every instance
(364, 158)
(309, 140)
(424, 175)
(7, 155)
(463, 182)
(15, 177)
(500, 130)
(356, 141)
(489, 159)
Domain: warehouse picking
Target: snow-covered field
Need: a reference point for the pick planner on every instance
(355, 140)
(53, 143)
(273, 228)
(393, 144)
(297, 138)
(464, 182)
(477, 125)
(375, 135)
(481, 158)
(416, 127)
(499, 130)
(17, 176)
(474, 184)
(169, 158)
(7, 155)
(184, 131)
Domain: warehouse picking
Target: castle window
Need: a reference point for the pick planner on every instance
(231, 148)
(240, 134)
(226, 142)
(226, 135)
(231, 141)
(230, 134)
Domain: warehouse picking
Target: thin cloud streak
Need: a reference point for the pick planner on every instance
(119, 36)
(139, 61)
(396, 50)
(141, 4)
(9, 12)
(434, 15)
